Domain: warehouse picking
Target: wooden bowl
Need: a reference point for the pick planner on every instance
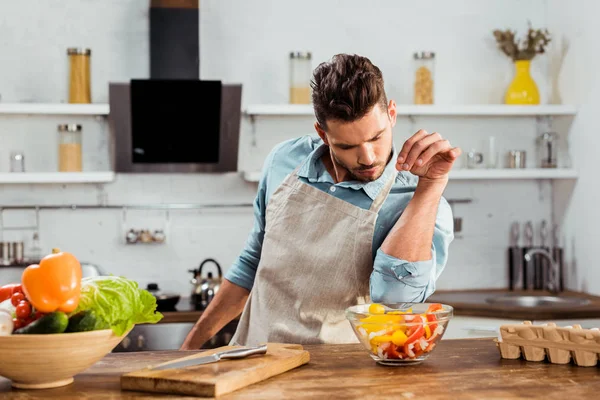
(51, 360)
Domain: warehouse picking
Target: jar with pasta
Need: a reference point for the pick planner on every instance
(300, 75)
(424, 77)
(79, 75)
(69, 148)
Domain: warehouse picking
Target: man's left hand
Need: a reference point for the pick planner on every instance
(428, 156)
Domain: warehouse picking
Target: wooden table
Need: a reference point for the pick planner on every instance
(457, 369)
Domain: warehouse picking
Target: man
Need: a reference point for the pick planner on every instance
(341, 219)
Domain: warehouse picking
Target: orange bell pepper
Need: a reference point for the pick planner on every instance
(54, 284)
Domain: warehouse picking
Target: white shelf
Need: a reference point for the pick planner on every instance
(428, 110)
(484, 174)
(252, 176)
(56, 177)
(507, 173)
(53, 109)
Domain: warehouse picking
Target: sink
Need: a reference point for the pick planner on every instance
(537, 301)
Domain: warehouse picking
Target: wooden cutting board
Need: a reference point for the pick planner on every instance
(218, 378)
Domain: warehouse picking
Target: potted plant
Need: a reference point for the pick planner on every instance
(522, 89)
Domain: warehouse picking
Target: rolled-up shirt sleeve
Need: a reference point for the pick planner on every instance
(243, 270)
(394, 280)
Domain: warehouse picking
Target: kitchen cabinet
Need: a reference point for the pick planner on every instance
(475, 327)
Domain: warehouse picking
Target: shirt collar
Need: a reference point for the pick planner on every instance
(314, 171)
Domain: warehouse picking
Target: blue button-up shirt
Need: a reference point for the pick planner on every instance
(392, 279)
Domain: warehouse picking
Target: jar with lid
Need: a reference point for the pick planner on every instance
(424, 70)
(79, 75)
(69, 148)
(300, 76)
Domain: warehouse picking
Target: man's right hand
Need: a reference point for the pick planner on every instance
(227, 304)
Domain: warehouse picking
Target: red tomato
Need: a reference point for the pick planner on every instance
(16, 298)
(17, 323)
(7, 291)
(38, 315)
(23, 310)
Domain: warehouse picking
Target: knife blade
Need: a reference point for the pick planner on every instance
(230, 354)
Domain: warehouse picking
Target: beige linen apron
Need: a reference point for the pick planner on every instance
(316, 261)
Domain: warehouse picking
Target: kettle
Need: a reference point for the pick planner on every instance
(204, 289)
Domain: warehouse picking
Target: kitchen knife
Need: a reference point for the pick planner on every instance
(557, 254)
(543, 265)
(230, 354)
(514, 258)
(528, 275)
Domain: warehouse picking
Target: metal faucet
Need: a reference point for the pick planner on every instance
(551, 283)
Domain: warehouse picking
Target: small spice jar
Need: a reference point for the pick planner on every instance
(424, 77)
(300, 75)
(69, 148)
(79, 75)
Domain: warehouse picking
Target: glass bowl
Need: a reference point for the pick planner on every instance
(401, 333)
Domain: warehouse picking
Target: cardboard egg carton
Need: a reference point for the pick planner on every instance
(558, 344)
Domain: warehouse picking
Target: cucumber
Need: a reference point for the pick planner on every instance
(55, 322)
(83, 321)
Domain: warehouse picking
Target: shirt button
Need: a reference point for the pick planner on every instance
(332, 189)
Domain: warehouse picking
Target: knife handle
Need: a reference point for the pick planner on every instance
(245, 352)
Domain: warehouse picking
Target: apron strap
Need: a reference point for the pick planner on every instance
(383, 194)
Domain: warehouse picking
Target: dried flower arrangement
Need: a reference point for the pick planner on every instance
(534, 43)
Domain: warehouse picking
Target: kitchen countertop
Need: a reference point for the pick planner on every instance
(473, 303)
(464, 368)
(184, 312)
(465, 302)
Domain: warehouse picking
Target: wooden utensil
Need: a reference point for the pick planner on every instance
(216, 379)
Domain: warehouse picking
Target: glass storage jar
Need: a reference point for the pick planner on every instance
(300, 76)
(69, 148)
(424, 77)
(79, 75)
(547, 153)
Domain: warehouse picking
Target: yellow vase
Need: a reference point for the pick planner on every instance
(522, 89)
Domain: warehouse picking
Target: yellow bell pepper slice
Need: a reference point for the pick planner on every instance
(382, 319)
(381, 339)
(427, 331)
(399, 338)
(371, 327)
(376, 309)
(409, 311)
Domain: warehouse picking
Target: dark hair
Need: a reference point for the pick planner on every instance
(346, 88)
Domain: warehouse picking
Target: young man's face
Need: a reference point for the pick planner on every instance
(363, 147)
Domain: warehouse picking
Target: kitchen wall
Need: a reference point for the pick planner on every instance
(576, 29)
(248, 43)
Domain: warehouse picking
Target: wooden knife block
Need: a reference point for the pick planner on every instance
(559, 345)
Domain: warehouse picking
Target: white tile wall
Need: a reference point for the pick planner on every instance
(575, 27)
(248, 42)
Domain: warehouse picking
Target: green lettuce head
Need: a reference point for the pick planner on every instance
(117, 302)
